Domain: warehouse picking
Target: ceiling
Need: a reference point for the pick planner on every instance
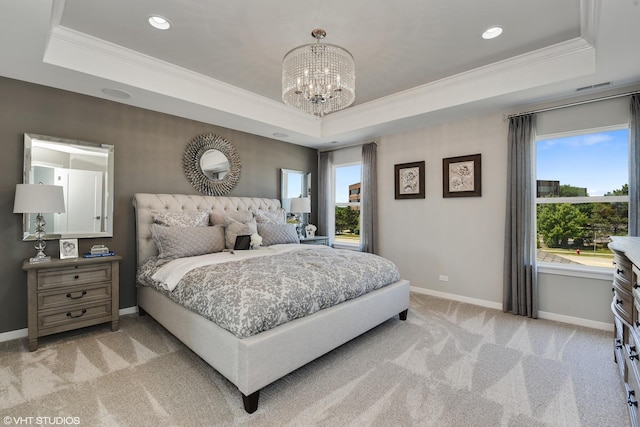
(417, 61)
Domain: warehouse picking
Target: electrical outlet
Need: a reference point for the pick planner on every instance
(444, 278)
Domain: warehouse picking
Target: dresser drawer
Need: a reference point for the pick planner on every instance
(622, 305)
(58, 320)
(71, 296)
(59, 277)
(622, 268)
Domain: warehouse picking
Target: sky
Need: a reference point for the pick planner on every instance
(597, 161)
(345, 176)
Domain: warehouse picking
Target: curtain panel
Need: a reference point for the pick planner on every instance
(325, 190)
(520, 287)
(634, 165)
(369, 199)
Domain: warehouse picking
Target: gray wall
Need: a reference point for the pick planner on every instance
(148, 156)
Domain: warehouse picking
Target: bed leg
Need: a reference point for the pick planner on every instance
(403, 314)
(251, 401)
(141, 311)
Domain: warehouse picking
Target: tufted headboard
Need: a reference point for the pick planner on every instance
(145, 203)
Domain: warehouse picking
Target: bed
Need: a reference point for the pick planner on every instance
(254, 361)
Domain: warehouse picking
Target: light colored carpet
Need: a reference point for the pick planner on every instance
(449, 364)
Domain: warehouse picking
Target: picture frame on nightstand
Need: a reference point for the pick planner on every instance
(68, 248)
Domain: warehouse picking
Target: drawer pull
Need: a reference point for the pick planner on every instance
(637, 324)
(619, 301)
(76, 277)
(83, 293)
(79, 315)
(630, 401)
(619, 271)
(618, 344)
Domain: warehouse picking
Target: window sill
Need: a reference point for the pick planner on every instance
(599, 273)
(348, 246)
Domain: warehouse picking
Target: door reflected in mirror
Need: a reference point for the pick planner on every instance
(85, 171)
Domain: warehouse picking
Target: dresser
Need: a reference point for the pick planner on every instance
(66, 294)
(626, 313)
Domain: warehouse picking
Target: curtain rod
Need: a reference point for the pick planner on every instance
(573, 104)
(342, 147)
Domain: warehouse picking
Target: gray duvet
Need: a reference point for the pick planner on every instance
(254, 295)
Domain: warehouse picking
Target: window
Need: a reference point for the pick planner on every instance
(582, 196)
(347, 178)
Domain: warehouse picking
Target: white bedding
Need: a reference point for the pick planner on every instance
(170, 274)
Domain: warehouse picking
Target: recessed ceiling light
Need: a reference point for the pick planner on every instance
(281, 135)
(159, 22)
(116, 93)
(491, 33)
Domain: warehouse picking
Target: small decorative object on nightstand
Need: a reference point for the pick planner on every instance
(315, 240)
(66, 294)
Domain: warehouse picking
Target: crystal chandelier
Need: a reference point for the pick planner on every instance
(318, 78)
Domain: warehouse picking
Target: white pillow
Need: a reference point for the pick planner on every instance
(234, 228)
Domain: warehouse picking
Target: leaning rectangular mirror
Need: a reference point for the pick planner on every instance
(294, 184)
(85, 171)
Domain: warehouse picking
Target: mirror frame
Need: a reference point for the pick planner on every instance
(27, 235)
(199, 180)
(305, 186)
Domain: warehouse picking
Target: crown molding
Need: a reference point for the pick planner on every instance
(86, 54)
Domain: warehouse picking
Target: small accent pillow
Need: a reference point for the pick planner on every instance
(181, 219)
(219, 216)
(234, 228)
(274, 234)
(271, 216)
(180, 242)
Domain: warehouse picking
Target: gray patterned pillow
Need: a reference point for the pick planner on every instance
(271, 216)
(274, 234)
(235, 228)
(181, 219)
(180, 242)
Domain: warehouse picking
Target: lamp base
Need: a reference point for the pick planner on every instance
(37, 259)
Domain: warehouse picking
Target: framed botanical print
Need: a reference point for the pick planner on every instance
(409, 179)
(461, 176)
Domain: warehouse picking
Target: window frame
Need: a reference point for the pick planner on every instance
(573, 270)
(342, 244)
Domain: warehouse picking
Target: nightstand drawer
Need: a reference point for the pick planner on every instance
(69, 297)
(55, 278)
(81, 315)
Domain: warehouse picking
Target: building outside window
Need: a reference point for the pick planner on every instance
(582, 196)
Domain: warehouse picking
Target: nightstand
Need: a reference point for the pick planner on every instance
(66, 294)
(315, 240)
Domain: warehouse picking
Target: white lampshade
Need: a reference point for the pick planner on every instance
(38, 198)
(301, 205)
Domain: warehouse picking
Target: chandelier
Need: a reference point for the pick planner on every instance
(318, 78)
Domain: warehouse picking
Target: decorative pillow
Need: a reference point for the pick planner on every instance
(181, 219)
(274, 234)
(234, 228)
(271, 216)
(219, 216)
(180, 242)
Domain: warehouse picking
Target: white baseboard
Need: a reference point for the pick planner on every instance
(541, 314)
(21, 333)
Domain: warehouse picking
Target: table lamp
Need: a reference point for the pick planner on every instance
(39, 199)
(300, 206)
